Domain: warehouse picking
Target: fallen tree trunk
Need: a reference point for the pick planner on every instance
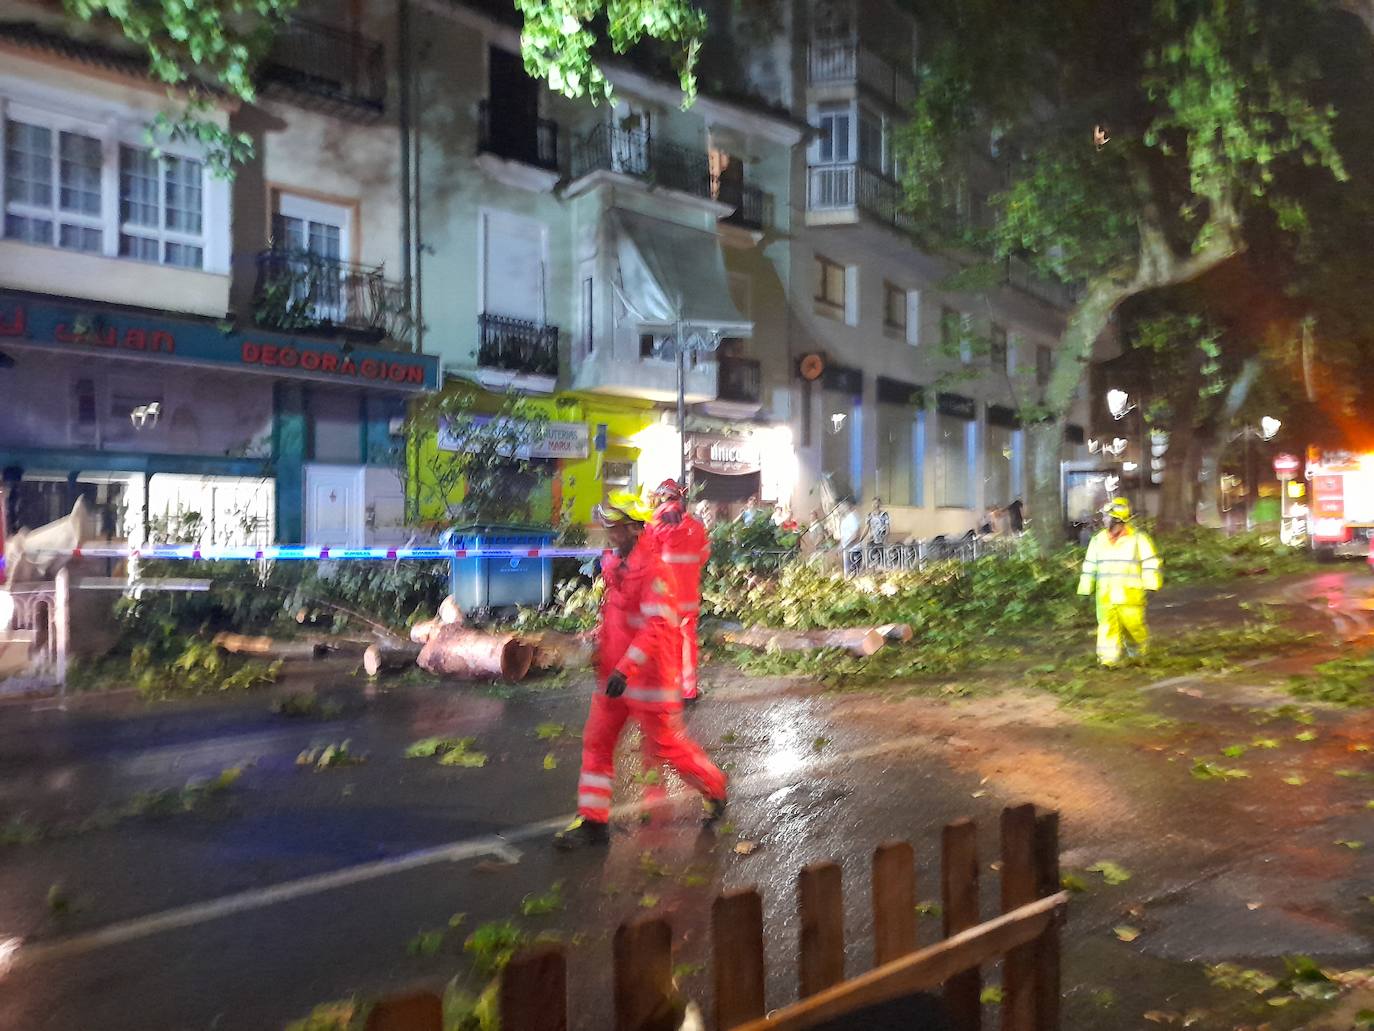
(270, 647)
(555, 650)
(900, 632)
(861, 641)
(474, 655)
(449, 612)
(422, 631)
(381, 657)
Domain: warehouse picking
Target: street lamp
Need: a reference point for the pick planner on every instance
(1119, 404)
(683, 342)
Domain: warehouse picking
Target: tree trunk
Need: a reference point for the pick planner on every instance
(1174, 506)
(474, 655)
(554, 650)
(268, 647)
(1209, 513)
(861, 641)
(1085, 324)
(382, 657)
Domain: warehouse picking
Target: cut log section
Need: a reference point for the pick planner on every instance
(381, 657)
(555, 650)
(269, 647)
(899, 632)
(474, 655)
(861, 641)
(450, 614)
(422, 631)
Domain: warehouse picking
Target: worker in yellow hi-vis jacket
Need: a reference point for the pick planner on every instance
(1123, 564)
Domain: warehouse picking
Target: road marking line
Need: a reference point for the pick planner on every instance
(498, 845)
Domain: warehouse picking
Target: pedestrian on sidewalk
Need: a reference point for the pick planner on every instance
(684, 547)
(639, 652)
(1121, 565)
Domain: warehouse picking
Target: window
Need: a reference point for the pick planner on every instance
(588, 325)
(830, 285)
(76, 185)
(646, 345)
(896, 454)
(955, 441)
(841, 440)
(833, 138)
(997, 348)
(894, 308)
(52, 187)
(1044, 365)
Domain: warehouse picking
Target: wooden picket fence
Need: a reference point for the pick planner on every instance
(1025, 937)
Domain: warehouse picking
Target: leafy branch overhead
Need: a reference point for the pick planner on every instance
(561, 39)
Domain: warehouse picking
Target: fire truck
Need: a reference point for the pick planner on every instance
(1341, 508)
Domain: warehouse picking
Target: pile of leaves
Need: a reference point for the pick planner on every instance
(1347, 681)
(1198, 555)
(759, 546)
(160, 670)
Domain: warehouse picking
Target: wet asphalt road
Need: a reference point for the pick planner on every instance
(297, 887)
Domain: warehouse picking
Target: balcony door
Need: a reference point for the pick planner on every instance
(317, 235)
(512, 107)
(514, 302)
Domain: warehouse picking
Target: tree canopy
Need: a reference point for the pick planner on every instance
(1123, 148)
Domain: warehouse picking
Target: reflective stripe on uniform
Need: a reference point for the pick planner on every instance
(595, 803)
(636, 655)
(651, 694)
(689, 606)
(652, 609)
(594, 781)
(680, 558)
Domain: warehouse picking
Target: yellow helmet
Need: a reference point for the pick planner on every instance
(623, 506)
(1118, 508)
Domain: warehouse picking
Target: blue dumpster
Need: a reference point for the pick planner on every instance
(493, 583)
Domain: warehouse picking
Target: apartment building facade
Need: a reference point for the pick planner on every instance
(178, 343)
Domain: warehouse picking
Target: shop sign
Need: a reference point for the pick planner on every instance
(1286, 466)
(725, 456)
(555, 439)
(58, 327)
(957, 405)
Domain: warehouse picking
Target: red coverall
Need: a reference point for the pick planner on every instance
(639, 636)
(685, 547)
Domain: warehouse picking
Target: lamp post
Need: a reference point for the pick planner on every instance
(683, 342)
(1119, 404)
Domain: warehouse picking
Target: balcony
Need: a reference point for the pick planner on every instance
(639, 154)
(844, 61)
(300, 292)
(530, 142)
(516, 353)
(839, 194)
(753, 207)
(339, 69)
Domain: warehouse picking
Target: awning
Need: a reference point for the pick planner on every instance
(670, 272)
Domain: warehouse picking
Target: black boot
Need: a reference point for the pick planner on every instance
(582, 833)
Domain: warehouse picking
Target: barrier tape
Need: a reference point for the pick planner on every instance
(305, 552)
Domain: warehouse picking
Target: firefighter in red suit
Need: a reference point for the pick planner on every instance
(639, 651)
(685, 547)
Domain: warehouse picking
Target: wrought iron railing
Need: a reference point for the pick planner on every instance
(516, 345)
(299, 291)
(328, 62)
(532, 142)
(753, 207)
(739, 380)
(846, 60)
(638, 153)
(852, 186)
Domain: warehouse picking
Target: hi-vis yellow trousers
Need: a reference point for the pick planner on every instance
(1119, 625)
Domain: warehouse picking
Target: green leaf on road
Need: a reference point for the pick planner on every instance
(1295, 779)
(457, 920)
(1265, 742)
(1305, 735)
(651, 867)
(729, 737)
(542, 905)
(990, 996)
(431, 746)
(1072, 882)
(1346, 773)
(930, 909)
(1111, 872)
(550, 762)
(1205, 770)
(493, 944)
(463, 757)
(549, 731)
(648, 901)
(426, 943)
(820, 743)
(1126, 933)
(1235, 751)
(1354, 846)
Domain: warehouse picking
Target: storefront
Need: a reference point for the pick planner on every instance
(172, 426)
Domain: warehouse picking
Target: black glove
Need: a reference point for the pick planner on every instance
(615, 685)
